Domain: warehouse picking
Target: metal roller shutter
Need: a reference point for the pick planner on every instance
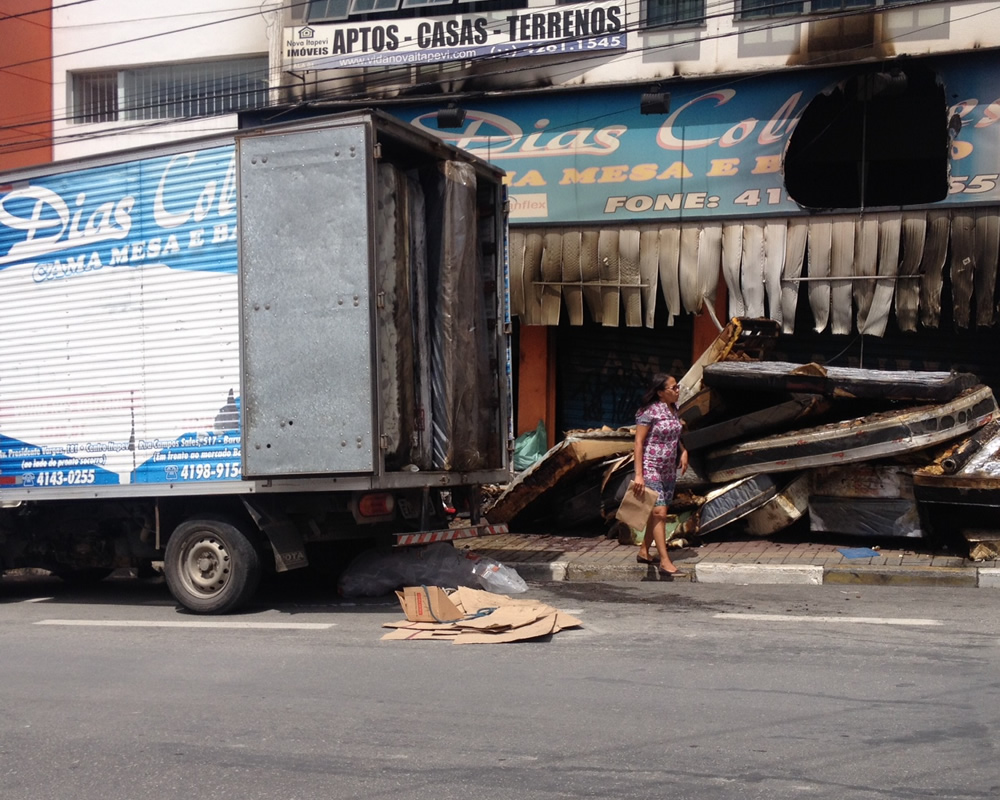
(601, 371)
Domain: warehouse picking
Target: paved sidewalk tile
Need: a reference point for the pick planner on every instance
(544, 557)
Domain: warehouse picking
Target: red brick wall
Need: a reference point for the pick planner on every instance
(25, 90)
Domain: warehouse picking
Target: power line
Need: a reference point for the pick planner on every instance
(45, 10)
(389, 79)
(254, 13)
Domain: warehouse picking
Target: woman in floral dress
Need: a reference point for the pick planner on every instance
(657, 441)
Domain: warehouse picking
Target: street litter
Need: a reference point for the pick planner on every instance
(569, 459)
(858, 552)
(376, 572)
(473, 616)
(775, 445)
(850, 468)
(962, 486)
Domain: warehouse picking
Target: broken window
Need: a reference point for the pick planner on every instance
(319, 11)
(769, 8)
(877, 139)
(673, 12)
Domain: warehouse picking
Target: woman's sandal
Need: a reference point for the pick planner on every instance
(666, 574)
(641, 560)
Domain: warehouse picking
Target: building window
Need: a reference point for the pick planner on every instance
(366, 10)
(95, 97)
(673, 12)
(753, 9)
(170, 91)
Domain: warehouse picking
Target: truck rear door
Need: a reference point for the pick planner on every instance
(305, 297)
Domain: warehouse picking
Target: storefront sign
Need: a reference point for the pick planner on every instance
(562, 30)
(592, 157)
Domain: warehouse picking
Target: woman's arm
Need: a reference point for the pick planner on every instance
(682, 459)
(641, 432)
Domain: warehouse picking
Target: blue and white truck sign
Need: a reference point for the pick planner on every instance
(120, 356)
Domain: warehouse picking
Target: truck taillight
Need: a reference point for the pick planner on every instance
(376, 505)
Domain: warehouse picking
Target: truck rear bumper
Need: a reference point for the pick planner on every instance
(449, 534)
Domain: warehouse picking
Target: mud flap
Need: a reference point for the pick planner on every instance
(283, 536)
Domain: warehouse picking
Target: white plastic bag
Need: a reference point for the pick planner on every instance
(498, 578)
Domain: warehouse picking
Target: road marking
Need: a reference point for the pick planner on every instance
(38, 600)
(139, 623)
(854, 620)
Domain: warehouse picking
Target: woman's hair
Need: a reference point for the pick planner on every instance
(659, 381)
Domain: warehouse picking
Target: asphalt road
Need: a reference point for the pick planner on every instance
(668, 691)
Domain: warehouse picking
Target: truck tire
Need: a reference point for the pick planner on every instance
(211, 566)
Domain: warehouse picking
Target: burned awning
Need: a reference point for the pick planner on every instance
(856, 271)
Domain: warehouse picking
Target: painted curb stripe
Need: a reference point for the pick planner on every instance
(851, 620)
(139, 623)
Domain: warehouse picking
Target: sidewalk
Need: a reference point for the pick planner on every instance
(544, 557)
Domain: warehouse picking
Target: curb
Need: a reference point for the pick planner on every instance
(543, 572)
(989, 578)
(807, 574)
(904, 576)
(766, 574)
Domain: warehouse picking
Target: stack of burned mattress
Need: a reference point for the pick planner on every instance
(775, 443)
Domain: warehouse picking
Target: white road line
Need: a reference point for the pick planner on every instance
(854, 620)
(37, 600)
(139, 623)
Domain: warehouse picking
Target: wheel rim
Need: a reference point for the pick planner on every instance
(206, 565)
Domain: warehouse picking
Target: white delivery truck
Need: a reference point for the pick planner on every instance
(220, 352)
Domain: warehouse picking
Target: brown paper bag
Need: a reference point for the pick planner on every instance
(635, 511)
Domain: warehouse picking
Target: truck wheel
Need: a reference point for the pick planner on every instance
(211, 566)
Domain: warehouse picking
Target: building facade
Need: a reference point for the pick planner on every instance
(832, 164)
(26, 74)
(128, 74)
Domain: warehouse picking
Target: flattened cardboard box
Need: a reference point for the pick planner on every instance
(428, 604)
(483, 617)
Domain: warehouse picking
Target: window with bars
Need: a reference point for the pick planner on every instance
(673, 12)
(170, 91)
(95, 97)
(752, 9)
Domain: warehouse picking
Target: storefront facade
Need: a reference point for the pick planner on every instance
(859, 205)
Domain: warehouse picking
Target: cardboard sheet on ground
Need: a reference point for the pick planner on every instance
(428, 604)
(487, 618)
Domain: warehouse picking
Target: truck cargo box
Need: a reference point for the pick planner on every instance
(318, 301)
(288, 317)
